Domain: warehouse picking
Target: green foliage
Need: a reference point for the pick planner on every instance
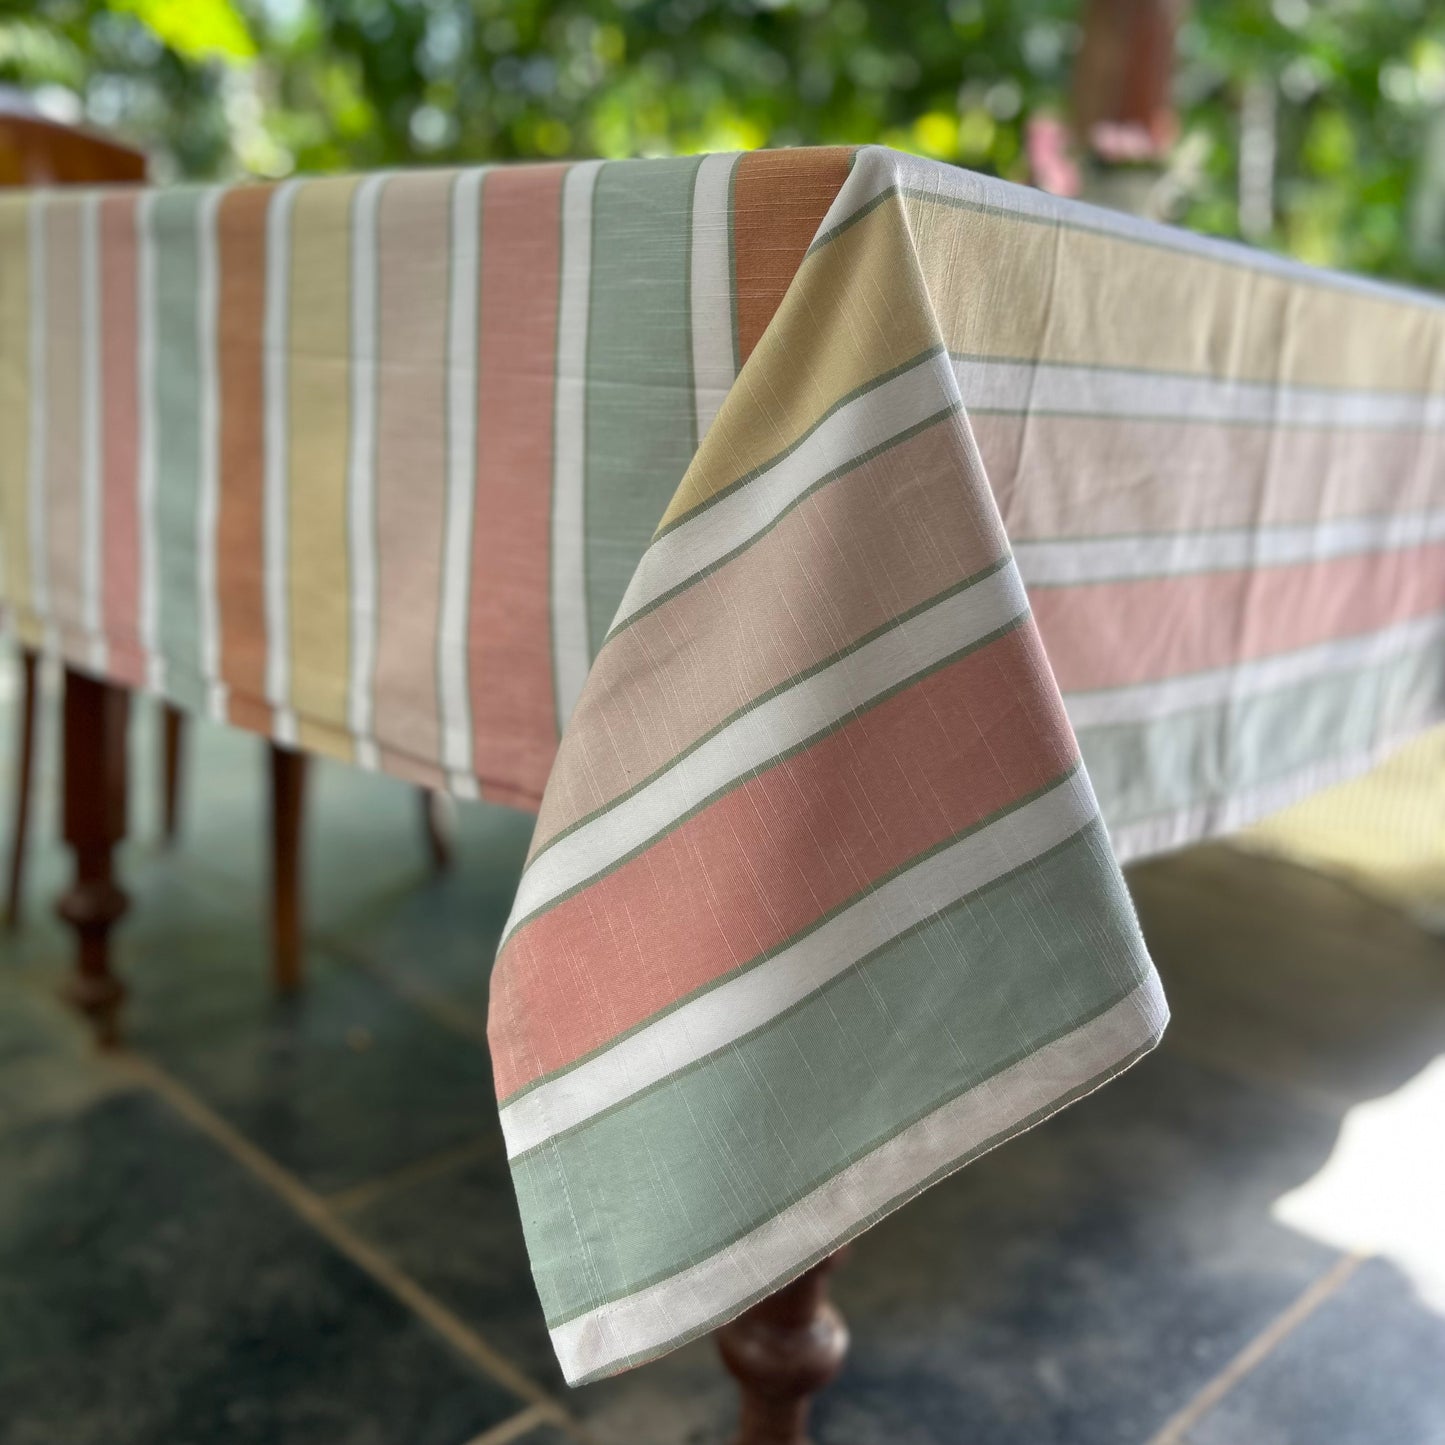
(221, 87)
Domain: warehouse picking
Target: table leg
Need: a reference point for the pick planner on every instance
(172, 750)
(782, 1352)
(436, 827)
(24, 774)
(94, 816)
(288, 793)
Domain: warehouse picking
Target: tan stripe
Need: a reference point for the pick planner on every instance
(831, 337)
(901, 529)
(1088, 477)
(319, 373)
(1069, 295)
(413, 239)
(14, 401)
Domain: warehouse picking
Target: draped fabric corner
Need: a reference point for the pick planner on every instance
(821, 800)
(852, 558)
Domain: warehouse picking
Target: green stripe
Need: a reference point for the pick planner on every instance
(178, 440)
(823, 918)
(867, 1221)
(1161, 767)
(775, 761)
(761, 1124)
(639, 403)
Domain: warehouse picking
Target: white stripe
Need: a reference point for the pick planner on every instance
(761, 734)
(1146, 701)
(748, 1000)
(452, 663)
(1039, 388)
(361, 466)
(38, 511)
(464, 785)
(1069, 562)
(711, 299)
(90, 424)
(868, 421)
(571, 640)
(275, 479)
(146, 436)
(208, 421)
(655, 1318)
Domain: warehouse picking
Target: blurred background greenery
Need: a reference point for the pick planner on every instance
(1339, 105)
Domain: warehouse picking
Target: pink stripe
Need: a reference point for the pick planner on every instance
(513, 710)
(775, 854)
(120, 495)
(1111, 634)
(63, 423)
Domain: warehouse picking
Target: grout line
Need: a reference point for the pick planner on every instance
(314, 1210)
(456, 1018)
(419, 1171)
(515, 1427)
(1255, 1352)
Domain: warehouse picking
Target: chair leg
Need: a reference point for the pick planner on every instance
(24, 776)
(172, 750)
(782, 1352)
(436, 823)
(94, 817)
(288, 793)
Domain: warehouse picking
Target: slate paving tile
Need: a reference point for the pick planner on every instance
(153, 1293)
(1367, 1368)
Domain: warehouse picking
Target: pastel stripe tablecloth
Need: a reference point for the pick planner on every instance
(851, 520)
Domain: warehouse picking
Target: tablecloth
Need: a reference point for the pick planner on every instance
(809, 537)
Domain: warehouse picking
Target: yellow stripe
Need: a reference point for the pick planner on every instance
(319, 371)
(15, 400)
(853, 312)
(1013, 288)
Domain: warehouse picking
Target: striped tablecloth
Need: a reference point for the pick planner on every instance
(852, 522)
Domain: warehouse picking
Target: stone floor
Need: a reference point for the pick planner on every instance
(292, 1223)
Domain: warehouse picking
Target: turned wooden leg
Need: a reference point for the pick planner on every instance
(24, 773)
(93, 820)
(172, 748)
(436, 825)
(288, 793)
(782, 1352)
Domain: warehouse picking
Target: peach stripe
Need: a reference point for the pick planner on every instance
(1095, 476)
(781, 199)
(63, 421)
(1111, 634)
(899, 778)
(510, 640)
(900, 529)
(120, 496)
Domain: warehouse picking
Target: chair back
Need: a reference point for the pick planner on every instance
(37, 151)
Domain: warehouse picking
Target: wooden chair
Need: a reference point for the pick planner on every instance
(36, 151)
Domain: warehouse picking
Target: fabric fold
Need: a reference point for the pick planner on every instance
(819, 905)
